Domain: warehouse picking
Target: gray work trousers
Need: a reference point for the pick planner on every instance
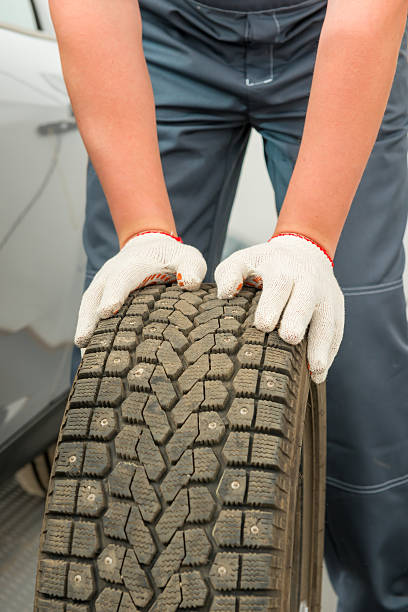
(218, 68)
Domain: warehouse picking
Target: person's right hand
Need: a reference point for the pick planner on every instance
(144, 260)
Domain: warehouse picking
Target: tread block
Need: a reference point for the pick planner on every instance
(80, 582)
(215, 395)
(118, 363)
(250, 356)
(206, 465)
(104, 424)
(125, 341)
(107, 325)
(173, 517)
(85, 541)
(193, 589)
(189, 403)
(194, 373)
(127, 440)
(275, 386)
(236, 448)
(278, 360)
(232, 486)
(197, 547)
(156, 419)
(256, 571)
(206, 316)
(209, 304)
(58, 536)
(186, 308)
(92, 364)
(115, 519)
(176, 338)
(132, 407)
(224, 571)
(191, 298)
(170, 598)
(120, 479)
(138, 309)
(85, 392)
(245, 382)
(69, 458)
(97, 459)
(47, 605)
(53, 576)
(91, 498)
(108, 599)
(77, 423)
(183, 438)
(199, 348)
(270, 451)
(202, 505)
(147, 349)
(163, 388)
(169, 359)
(266, 489)
(140, 537)
(225, 343)
(133, 323)
(273, 417)
(236, 311)
(110, 563)
(145, 495)
(227, 529)
(135, 580)
(150, 456)
(110, 392)
(177, 476)
(262, 529)
(169, 560)
(139, 376)
(230, 325)
(202, 330)
(222, 367)
(63, 496)
(241, 413)
(224, 604)
(211, 428)
(259, 604)
(154, 330)
(100, 342)
(180, 321)
(252, 335)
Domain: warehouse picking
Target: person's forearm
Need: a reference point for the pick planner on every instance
(353, 74)
(108, 83)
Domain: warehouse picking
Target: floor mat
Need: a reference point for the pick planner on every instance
(20, 525)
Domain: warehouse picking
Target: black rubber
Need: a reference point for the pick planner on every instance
(175, 479)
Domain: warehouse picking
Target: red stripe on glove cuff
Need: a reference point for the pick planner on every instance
(305, 238)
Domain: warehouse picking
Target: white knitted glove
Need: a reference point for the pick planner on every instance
(297, 279)
(146, 259)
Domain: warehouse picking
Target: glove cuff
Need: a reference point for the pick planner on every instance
(308, 240)
(142, 233)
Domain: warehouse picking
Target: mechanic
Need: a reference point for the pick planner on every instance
(325, 82)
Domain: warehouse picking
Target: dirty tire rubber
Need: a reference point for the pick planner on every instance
(175, 482)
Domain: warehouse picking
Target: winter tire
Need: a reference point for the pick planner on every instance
(190, 466)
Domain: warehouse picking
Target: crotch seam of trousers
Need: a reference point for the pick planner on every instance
(380, 288)
(208, 252)
(367, 489)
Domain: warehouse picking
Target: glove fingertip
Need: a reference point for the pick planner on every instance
(318, 377)
(291, 335)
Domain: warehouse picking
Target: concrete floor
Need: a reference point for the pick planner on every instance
(20, 524)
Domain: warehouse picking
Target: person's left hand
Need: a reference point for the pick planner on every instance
(298, 280)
